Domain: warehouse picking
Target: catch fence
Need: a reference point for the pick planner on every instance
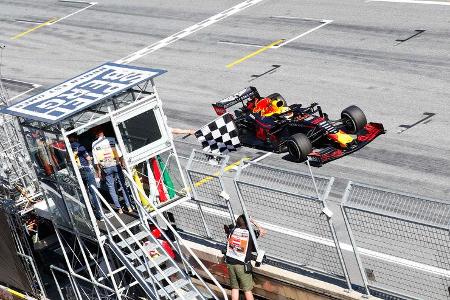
(209, 209)
(291, 206)
(402, 242)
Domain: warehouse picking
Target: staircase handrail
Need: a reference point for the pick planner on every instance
(136, 241)
(179, 238)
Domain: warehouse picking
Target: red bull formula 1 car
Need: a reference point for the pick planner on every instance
(269, 124)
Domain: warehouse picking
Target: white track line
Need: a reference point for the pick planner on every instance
(80, 10)
(188, 31)
(330, 243)
(262, 157)
(35, 86)
(240, 44)
(12, 81)
(413, 2)
(296, 18)
(324, 23)
(254, 160)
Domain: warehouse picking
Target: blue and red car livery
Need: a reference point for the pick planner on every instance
(268, 123)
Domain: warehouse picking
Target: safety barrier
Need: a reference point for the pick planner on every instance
(210, 209)
(291, 206)
(402, 242)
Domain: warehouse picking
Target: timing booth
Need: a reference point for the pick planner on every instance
(123, 101)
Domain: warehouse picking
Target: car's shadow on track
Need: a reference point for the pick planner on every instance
(289, 158)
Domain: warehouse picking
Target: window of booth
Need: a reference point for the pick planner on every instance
(141, 127)
(140, 130)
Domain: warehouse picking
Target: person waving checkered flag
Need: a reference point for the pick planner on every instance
(219, 136)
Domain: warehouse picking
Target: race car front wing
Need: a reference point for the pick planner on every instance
(318, 157)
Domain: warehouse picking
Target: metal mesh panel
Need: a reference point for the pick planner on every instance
(286, 204)
(300, 251)
(416, 242)
(189, 219)
(209, 191)
(204, 171)
(403, 241)
(427, 211)
(215, 219)
(298, 213)
(284, 180)
(411, 282)
(206, 163)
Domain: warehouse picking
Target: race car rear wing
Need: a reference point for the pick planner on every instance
(246, 94)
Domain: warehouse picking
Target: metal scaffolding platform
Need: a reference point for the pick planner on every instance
(121, 256)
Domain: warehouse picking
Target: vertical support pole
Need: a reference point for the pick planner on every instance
(57, 283)
(194, 193)
(101, 243)
(36, 274)
(242, 165)
(69, 266)
(352, 240)
(169, 131)
(135, 196)
(88, 267)
(333, 231)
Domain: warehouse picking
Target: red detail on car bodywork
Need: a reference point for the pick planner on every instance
(219, 110)
(264, 125)
(372, 131)
(317, 120)
(368, 134)
(261, 133)
(335, 154)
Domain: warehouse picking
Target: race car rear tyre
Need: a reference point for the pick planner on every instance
(299, 146)
(277, 96)
(354, 119)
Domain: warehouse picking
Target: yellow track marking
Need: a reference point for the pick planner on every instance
(255, 53)
(226, 169)
(34, 28)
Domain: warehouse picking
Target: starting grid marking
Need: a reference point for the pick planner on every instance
(55, 20)
(188, 31)
(281, 42)
(324, 23)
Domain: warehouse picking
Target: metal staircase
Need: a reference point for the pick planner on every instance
(149, 263)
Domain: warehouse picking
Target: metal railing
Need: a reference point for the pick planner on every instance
(291, 206)
(401, 241)
(147, 258)
(180, 241)
(209, 209)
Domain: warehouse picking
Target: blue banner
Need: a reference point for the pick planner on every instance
(81, 92)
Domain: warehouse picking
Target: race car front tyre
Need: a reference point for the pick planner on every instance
(353, 118)
(299, 146)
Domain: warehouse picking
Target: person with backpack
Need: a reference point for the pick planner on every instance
(238, 256)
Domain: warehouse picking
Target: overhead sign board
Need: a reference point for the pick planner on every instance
(81, 92)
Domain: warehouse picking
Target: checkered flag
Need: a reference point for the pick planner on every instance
(219, 136)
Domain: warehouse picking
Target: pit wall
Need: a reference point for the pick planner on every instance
(275, 283)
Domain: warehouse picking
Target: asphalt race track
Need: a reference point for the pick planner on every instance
(357, 58)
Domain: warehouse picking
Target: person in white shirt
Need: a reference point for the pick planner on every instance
(108, 162)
